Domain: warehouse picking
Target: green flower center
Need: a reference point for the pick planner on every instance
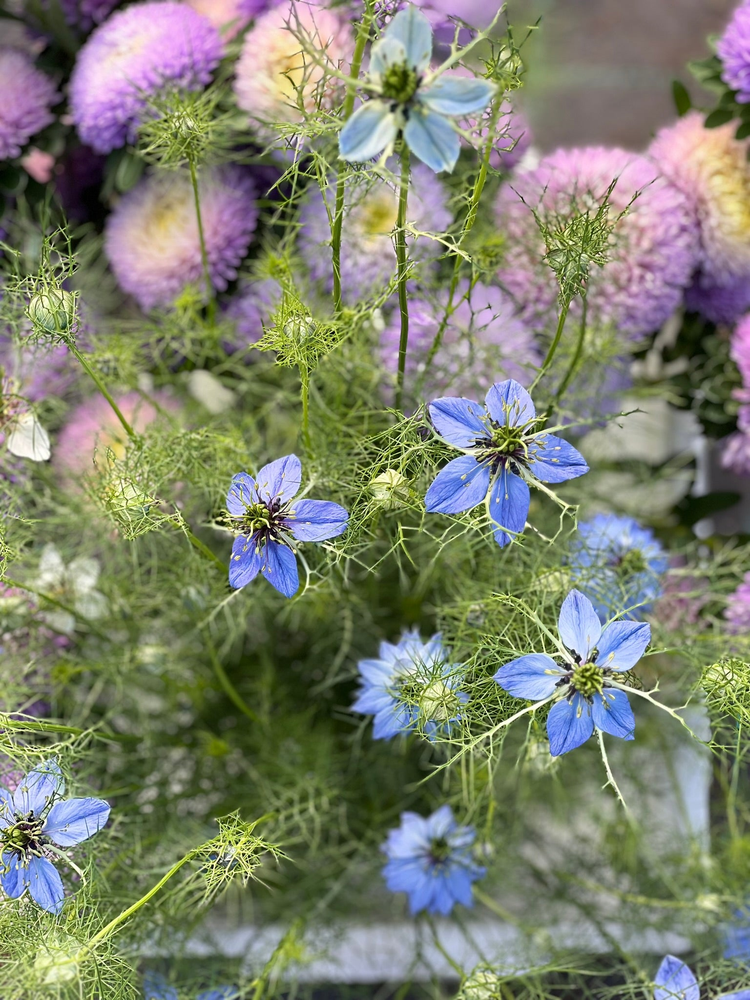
(507, 440)
(399, 83)
(440, 850)
(587, 679)
(631, 563)
(257, 516)
(24, 836)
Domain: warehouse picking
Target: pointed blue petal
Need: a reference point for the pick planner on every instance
(316, 520)
(38, 787)
(14, 879)
(413, 30)
(578, 624)
(553, 460)
(367, 133)
(245, 562)
(280, 479)
(155, 987)
(45, 885)
(280, 568)
(461, 485)
(569, 724)
(432, 139)
(457, 95)
(675, 981)
(533, 677)
(509, 403)
(509, 506)
(386, 52)
(739, 995)
(612, 714)
(622, 644)
(74, 820)
(458, 420)
(241, 494)
(219, 993)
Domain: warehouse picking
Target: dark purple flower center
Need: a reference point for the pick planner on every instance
(440, 851)
(503, 446)
(24, 838)
(585, 678)
(264, 520)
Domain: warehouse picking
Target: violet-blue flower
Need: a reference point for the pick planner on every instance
(411, 683)
(676, 981)
(588, 696)
(431, 861)
(502, 455)
(34, 824)
(269, 524)
(733, 48)
(411, 101)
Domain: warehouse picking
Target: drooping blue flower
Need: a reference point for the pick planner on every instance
(410, 100)
(502, 456)
(676, 981)
(617, 563)
(412, 683)
(33, 823)
(431, 861)
(269, 523)
(583, 681)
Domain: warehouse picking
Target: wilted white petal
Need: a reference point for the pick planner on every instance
(28, 439)
(92, 605)
(60, 621)
(82, 575)
(51, 568)
(209, 391)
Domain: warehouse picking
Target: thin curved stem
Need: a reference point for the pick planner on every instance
(211, 303)
(102, 389)
(229, 689)
(552, 347)
(402, 273)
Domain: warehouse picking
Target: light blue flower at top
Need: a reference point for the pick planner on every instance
(34, 824)
(583, 681)
(503, 453)
(411, 100)
(431, 861)
(676, 981)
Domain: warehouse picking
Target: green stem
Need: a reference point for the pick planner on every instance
(229, 689)
(102, 389)
(363, 33)
(201, 547)
(304, 377)
(577, 355)
(211, 305)
(553, 346)
(402, 259)
(56, 603)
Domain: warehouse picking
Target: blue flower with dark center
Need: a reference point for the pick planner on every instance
(269, 523)
(431, 861)
(618, 564)
(676, 981)
(156, 987)
(412, 684)
(34, 825)
(585, 684)
(410, 100)
(502, 455)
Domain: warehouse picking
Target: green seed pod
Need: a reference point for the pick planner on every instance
(53, 311)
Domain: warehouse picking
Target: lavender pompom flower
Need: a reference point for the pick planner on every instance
(676, 981)
(84, 14)
(733, 48)
(152, 238)
(431, 861)
(483, 333)
(28, 94)
(652, 248)
(138, 52)
(737, 611)
(502, 455)
(269, 523)
(250, 307)
(368, 259)
(34, 824)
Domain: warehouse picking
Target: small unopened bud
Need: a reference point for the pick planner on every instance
(482, 984)
(299, 328)
(391, 489)
(53, 311)
(56, 963)
(439, 702)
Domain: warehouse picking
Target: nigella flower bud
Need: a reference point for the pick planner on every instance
(53, 311)
(391, 489)
(482, 984)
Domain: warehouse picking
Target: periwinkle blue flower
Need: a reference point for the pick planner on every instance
(502, 455)
(411, 101)
(33, 823)
(411, 683)
(269, 523)
(431, 861)
(676, 981)
(156, 987)
(584, 680)
(736, 936)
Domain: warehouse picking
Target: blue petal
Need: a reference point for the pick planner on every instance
(612, 714)
(457, 95)
(280, 568)
(553, 460)
(569, 724)
(13, 880)
(280, 479)
(376, 671)
(739, 995)
(75, 820)
(675, 981)
(413, 30)
(578, 624)
(622, 644)
(155, 987)
(432, 139)
(38, 788)
(45, 885)
(367, 133)
(6, 808)
(509, 403)
(316, 520)
(458, 421)
(509, 506)
(386, 52)
(246, 561)
(241, 494)
(372, 700)
(461, 485)
(220, 993)
(533, 677)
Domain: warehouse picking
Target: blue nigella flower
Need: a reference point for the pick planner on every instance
(502, 455)
(676, 981)
(33, 824)
(412, 683)
(617, 563)
(584, 680)
(736, 936)
(269, 524)
(156, 987)
(410, 100)
(431, 861)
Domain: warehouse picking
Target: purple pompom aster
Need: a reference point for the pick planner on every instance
(733, 48)
(84, 14)
(250, 308)
(652, 251)
(138, 52)
(27, 96)
(151, 238)
(737, 612)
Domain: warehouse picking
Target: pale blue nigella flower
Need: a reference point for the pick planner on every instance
(410, 100)
(502, 455)
(585, 679)
(431, 861)
(33, 825)
(412, 683)
(269, 523)
(676, 981)
(736, 936)
(156, 987)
